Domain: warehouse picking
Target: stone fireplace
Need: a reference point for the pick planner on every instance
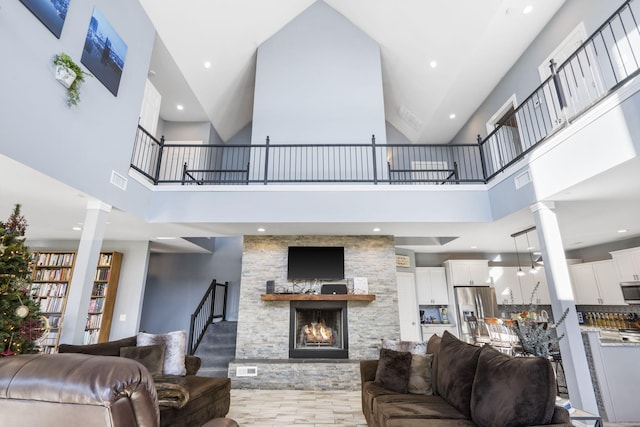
(318, 330)
(264, 329)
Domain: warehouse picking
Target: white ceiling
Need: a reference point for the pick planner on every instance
(466, 37)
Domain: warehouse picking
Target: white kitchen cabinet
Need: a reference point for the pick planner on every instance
(467, 272)
(408, 307)
(542, 296)
(428, 330)
(627, 263)
(431, 284)
(507, 284)
(596, 283)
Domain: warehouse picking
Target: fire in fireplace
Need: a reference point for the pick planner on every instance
(318, 330)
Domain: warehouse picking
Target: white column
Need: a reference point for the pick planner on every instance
(574, 359)
(75, 313)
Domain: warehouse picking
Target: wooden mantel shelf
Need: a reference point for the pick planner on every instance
(316, 297)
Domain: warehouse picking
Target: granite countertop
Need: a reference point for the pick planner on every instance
(609, 338)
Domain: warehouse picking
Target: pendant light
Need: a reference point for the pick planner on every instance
(520, 272)
(533, 269)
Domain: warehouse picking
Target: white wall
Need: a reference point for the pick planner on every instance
(177, 282)
(522, 79)
(79, 146)
(318, 80)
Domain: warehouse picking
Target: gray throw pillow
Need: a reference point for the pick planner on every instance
(150, 356)
(420, 376)
(394, 368)
(176, 344)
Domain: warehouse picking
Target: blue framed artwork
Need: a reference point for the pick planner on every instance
(51, 13)
(104, 52)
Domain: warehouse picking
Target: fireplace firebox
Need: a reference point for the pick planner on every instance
(318, 330)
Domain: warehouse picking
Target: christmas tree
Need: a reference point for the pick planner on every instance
(20, 319)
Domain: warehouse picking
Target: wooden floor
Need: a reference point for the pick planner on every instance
(282, 408)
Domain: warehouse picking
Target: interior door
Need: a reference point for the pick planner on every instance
(581, 82)
(408, 307)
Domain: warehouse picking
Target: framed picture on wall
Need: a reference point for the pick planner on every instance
(104, 52)
(51, 13)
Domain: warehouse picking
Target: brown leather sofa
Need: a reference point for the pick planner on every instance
(472, 386)
(208, 397)
(76, 390)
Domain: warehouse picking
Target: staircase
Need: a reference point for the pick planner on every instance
(217, 349)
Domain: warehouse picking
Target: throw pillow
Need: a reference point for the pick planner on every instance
(176, 344)
(433, 347)
(420, 376)
(512, 391)
(457, 363)
(150, 356)
(413, 347)
(394, 368)
(109, 348)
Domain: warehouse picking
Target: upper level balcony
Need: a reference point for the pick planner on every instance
(597, 69)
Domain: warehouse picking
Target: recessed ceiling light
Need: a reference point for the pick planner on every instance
(433, 64)
(207, 64)
(376, 229)
(527, 9)
(180, 107)
(452, 116)
(474, 247)
(166, 238)
(262, 230)
(623, 230)
(76, 228)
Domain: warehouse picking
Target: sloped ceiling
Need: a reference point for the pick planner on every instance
(473, 42)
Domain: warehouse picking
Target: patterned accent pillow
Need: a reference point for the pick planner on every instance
(174, 356)
(413, 347)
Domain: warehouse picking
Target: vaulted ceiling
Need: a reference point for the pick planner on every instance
(471, 43)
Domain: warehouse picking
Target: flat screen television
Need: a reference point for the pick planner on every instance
(315, 263)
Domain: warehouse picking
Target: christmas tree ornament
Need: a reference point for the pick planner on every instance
(22, 311)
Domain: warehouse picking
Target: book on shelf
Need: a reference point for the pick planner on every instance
(98, 289)
(96, 305)
(54, 259)
(104, 260)
(102, 274)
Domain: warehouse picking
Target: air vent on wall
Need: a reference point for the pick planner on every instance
(246, 371)
(119, 180)
(523, 179)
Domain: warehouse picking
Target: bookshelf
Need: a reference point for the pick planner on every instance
(103, 298)
(52, 272)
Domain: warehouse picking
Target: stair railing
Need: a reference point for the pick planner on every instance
(212, 306)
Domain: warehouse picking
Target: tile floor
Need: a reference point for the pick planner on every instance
(282, 408)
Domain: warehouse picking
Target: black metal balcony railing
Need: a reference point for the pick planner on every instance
(604, 62)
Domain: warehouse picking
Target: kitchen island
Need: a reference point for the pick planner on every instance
(615, 372)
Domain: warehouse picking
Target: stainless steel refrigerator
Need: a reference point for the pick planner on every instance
(473, 304)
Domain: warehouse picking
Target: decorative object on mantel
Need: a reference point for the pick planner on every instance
(536, 336)
(70, 75)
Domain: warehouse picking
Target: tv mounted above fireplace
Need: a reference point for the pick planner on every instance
(315, 263)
